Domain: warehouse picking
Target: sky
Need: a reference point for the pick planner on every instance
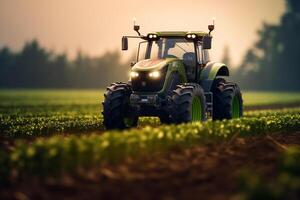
(96, 26)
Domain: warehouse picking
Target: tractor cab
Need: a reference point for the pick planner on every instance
(170, 47)
(178, 45)
(191, 48)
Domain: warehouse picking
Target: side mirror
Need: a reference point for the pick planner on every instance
(211, 28)
(207, 42)
(136, 27)
(124, 43)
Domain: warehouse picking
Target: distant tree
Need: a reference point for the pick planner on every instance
(293, 6)
(7, 59)
(32, 65)
(226, 56)
(59, 72)
(273, 61)
(37, 67)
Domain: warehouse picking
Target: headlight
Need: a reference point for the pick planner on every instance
(191, 36)
(134, 74)
(152, 36)
(155, 74)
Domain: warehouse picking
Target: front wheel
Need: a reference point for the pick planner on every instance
(188, 103)
(227, 100)
(117, 113)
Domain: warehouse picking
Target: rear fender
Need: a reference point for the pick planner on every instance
(210, 72)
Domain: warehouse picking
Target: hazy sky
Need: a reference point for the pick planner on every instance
(95, 26)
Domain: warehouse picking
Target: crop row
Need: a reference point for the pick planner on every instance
(286, 185)
(19, 126)
(271, 112)
(56, 154)
(37, 124)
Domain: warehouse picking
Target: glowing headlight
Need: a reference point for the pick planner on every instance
(134, 74)
(152, 36)
(154, 74)
(191, 36)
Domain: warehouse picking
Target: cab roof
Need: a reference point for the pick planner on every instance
(179, 33)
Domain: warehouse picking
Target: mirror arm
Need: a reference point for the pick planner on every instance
(141, 36)
(138, 32)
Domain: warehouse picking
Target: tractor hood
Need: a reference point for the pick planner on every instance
(152, 64)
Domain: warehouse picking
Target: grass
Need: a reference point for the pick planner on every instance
(252, 98)
(50, 97)
(31, 98)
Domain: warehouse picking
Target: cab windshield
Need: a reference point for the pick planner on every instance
(166, 48)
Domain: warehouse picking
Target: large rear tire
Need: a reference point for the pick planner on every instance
(117, 112)
(227, 100)
(188, 103)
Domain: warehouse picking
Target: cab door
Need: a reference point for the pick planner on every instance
(202, 58)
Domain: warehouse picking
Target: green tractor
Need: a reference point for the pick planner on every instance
(174, 79)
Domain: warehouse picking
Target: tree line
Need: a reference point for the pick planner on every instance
(36, 67)
(273, 62)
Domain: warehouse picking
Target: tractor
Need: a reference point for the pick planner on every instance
(174, 79)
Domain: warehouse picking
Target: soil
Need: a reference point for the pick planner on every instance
(199, 172)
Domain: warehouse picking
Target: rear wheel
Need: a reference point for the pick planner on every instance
(227, 100)
(117, 112)
(188, 103)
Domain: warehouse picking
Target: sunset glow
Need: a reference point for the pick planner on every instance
(96, 26)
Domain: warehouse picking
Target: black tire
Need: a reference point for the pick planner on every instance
(182, 103)
(117, 112)
(227, 100)
(165, 116)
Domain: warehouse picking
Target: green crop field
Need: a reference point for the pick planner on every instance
(44, 112)
(47, 155)
(269, 98)
(11, 98)
(46, 133)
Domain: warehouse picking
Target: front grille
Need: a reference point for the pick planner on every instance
(143, 83)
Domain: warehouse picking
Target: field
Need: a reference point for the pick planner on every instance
(53, 145)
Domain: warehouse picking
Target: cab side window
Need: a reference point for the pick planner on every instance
(202, 54)
(205, 55)
(199, 53)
